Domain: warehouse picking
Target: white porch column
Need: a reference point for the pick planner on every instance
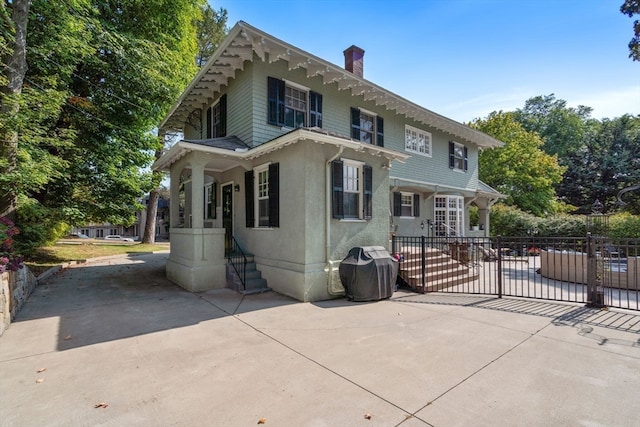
(197, 193)
(174, 194)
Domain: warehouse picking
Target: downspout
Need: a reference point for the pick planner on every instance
(327, 217)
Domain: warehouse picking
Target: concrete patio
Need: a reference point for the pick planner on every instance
(117, 335)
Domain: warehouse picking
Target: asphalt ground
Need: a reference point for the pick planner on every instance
(114, 343)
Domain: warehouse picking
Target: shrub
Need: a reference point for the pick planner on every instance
(9, 259)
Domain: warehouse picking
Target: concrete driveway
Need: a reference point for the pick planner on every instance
(113, 343)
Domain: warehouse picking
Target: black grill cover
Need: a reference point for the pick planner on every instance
(368, 273)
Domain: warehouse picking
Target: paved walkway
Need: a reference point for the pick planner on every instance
(117, 335)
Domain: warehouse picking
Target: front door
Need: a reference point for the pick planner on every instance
(227, 217)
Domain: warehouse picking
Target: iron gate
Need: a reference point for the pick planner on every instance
(596, 271)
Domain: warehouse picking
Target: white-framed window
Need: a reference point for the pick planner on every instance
(262, 196)
(367, 127)
(262, 193)
(352, 189)
(113, 231)
(417, 141)
(295, 106)
(406, 204)
(352, 177)
(457, 156)
(292, 105)
(99, 232)
(209, 201)
(448, 216)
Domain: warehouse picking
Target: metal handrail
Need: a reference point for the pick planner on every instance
(238, 261)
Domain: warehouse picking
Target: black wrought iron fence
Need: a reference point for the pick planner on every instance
(238, 261)
(590, 270)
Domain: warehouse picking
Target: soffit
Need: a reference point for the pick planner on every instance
(244, 40)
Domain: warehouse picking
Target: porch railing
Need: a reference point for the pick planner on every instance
(238, 261)
(596, 271)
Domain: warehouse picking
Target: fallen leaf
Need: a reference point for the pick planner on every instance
(367, 416)
(262, 421)
(41, 370)
(67, 338)
(39, 380)
(101, 405)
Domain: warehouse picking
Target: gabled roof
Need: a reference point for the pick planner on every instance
(244, 40)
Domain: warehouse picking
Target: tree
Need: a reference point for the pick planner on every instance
(14, 64)
(520, 169)
(606, 163)
(562, 128)
(103, 73)
(630, 8)
(211, 30)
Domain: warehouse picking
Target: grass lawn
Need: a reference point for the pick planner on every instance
(50, 256)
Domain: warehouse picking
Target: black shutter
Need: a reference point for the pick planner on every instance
(416, 205)
(275, 107)
(222, 131)
(367, 175)
(248, 199)
(315, 109)
(355, 124)
(452, 155)
(379, 131)
(338, 188)
(274, 195)
(466, 161)
(208, 119)
(397, 204)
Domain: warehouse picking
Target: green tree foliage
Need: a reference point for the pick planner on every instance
(211, 31)
(606, 163)
(630, 8)
(562, 128)
(102, 73)
(520, 169)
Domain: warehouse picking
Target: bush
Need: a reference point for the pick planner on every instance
(511, 221)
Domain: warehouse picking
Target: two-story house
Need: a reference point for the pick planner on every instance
(296, 160)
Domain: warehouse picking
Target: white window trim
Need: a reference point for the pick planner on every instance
(406, 193)
(208, 199)
(425, 133)
(256, 193)
(360, 166)
(296, 85)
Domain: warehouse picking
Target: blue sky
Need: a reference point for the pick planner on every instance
(466, 58)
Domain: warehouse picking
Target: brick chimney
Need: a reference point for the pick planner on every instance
(354, 60)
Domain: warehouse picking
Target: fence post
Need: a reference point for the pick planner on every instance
(499, 261)
(423, 252)
(592, 274)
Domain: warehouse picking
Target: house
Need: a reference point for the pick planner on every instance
(135, 230)
(295, 160)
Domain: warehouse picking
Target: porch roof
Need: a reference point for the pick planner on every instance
(244, 43)
(231, 150)
(481, 190)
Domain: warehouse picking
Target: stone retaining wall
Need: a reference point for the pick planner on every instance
(15, 288)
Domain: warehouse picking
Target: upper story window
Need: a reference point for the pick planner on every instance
(216, 119)
(367, 127)
(458, 156)
(406, 204)
(352, 183)
(417, 141)
(262, 196)
(292, 105)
